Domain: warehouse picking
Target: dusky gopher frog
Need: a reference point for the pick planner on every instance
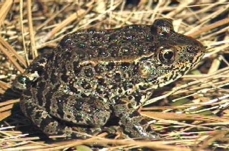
(93, 77)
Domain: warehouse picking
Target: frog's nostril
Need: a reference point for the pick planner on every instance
(195, 49)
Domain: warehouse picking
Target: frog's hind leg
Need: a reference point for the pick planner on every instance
(49, 124)
(79, 111)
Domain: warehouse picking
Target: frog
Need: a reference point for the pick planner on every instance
(96, 77)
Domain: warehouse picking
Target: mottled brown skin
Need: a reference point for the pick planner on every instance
(94, 76)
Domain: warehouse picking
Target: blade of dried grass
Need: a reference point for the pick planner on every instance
(210, 27)
(4, 85)
(63, 24)
(21, 4)
(5, 47)
(182, 6)
(5, 108)
(4, 10)
(177, 116)
(31, 30)
(158, 145)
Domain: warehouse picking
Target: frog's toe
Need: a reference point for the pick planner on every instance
(146, 134)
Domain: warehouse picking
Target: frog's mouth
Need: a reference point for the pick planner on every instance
(172, 76)
(166, 76)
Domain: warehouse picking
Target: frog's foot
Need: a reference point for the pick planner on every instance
(134, 125)
(52, 126)
(138, 127)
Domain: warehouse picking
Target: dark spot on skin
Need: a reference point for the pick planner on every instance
(73, 89)
(64, 78)
(102, 53)
(129, 86)
(86, 85)
(120, 91)
(110, 66)
(117, 77)
(98, 90)
(77, 67)
(99, 69)
(82, 45)
(88, 72)
(135, 69)
(125, 65)
(81, 55)
(101, 81)
(67, 42)
(114, 53)
(143, 87)
(54, 77)
(130, 97)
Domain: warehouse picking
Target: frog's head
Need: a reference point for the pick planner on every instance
(173, 55)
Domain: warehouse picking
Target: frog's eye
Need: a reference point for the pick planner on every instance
(167, 55)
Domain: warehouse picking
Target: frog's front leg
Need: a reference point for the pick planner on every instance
(133, 123)
(71, 119)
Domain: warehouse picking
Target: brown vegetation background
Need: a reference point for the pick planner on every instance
(191, 114)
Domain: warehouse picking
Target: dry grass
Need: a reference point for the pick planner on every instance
(193, 115)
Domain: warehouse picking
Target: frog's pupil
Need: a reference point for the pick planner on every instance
(168, 55)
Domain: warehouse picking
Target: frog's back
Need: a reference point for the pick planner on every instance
(109, 45)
